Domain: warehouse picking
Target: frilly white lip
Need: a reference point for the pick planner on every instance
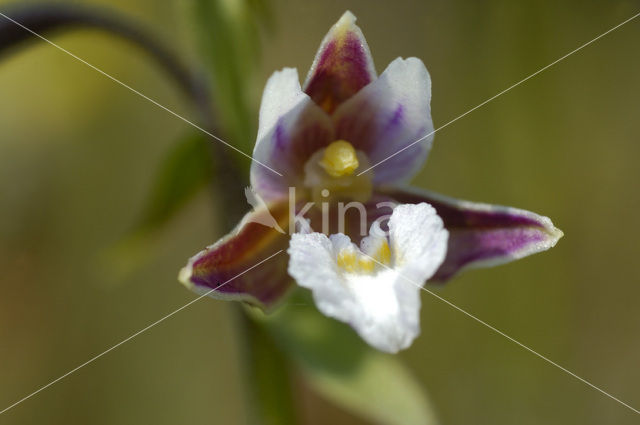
(369, 287)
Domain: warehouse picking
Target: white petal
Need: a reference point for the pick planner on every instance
(418, 240)
(281, 94)
(386, 118)
(291, 128)
(383, 307)
(312, 263)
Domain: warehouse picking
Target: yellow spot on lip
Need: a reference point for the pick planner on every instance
(347, 260)
(339, 159)
(366, 264)
(384, 253)
(352, 260)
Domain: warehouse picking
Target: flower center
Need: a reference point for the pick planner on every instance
(339, 159)
(352, 260)
(330, 174)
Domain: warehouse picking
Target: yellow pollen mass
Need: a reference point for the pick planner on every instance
(339, 159)
(384, 253)
(352, 261)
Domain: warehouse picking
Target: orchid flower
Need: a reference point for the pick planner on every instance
(350, 135)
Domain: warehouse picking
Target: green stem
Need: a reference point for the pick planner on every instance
(267, 373)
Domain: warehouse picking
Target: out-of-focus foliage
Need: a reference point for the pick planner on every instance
(267, 371)
(341, 367)
(185, 170)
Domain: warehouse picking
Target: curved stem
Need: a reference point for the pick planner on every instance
(51, 18)
(46, 19)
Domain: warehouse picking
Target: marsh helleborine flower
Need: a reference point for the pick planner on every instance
(324, 137)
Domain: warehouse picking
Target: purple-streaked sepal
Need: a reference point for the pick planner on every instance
(249, 264)
(482, 235)
(342, 66)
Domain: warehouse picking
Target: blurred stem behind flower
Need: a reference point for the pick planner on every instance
(268, 390)
(267, 373)
(228, 39)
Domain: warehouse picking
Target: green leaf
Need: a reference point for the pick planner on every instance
(343, 369)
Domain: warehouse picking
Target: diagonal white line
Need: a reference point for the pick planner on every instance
(114, 79)
(504, 91)
(499, 332)
(91, 360)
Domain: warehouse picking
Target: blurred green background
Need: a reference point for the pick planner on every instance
(78, 155)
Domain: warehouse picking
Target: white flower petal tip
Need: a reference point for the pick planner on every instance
(375, 288)
(347, 19)
(281, 94)
(185, 274)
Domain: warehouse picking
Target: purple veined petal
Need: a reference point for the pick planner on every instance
(291, 128)
(389, 115)
(236, 259)
(482, 235)
(342, 66)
